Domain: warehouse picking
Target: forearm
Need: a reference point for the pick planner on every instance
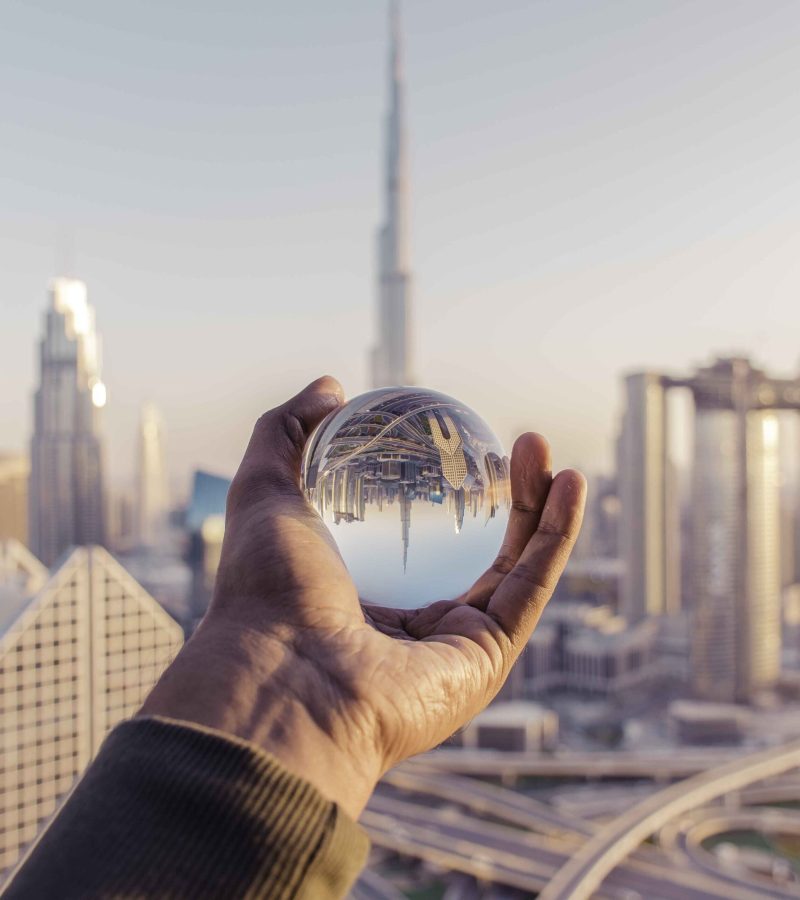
(173, 810)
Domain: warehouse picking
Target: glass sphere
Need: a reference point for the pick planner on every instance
(415, 488)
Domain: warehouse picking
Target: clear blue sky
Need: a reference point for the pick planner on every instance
(596, 186)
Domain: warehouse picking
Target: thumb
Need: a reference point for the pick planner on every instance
(271, 463)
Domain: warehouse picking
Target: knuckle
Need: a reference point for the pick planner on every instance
(295, 429)
(553, 531)
(525, 508)
(535, 580)
(503, 564)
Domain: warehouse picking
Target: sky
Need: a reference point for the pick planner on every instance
(596, 187)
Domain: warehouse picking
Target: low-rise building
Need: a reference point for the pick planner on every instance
(697, 722)
(590, 650)
(518, 726)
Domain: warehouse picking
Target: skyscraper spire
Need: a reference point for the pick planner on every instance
(391, 355)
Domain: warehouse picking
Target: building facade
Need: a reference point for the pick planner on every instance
(77, 657)
(589, 650)
(391, 357)
(67, 499)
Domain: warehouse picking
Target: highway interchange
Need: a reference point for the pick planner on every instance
(429, 810)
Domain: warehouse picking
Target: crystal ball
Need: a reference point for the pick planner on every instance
(415, 488)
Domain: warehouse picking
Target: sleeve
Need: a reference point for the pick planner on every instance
(173, 810)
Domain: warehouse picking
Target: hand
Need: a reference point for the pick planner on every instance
(288, 658)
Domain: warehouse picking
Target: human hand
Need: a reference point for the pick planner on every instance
(339, 691)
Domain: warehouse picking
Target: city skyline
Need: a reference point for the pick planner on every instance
(605, 250)
(569, 219)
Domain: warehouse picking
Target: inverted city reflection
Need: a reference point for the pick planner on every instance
(415, 488)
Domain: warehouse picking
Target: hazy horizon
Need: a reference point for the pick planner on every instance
(595, 187)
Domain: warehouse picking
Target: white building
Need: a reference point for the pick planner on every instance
(517, 726)
(151, 480)
(67, 499)
(76, 657)
(649, 536)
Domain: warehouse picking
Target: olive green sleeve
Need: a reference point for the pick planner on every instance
(173, 810)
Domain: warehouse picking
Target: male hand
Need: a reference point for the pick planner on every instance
(290, 659)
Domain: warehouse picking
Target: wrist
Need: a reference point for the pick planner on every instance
(253, 686)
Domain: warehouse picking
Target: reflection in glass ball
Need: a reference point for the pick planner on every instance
(415, 488)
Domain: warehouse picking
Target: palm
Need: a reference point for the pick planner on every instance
(437, 667)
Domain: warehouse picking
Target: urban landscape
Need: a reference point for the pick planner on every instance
(646, 745)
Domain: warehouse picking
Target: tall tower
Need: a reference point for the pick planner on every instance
(66, 486)
(736, 634)
(649, 530)
(391, 357)
(152, 498)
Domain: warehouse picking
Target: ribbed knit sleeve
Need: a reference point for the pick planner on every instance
(173, 810)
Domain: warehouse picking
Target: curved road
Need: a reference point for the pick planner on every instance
(585, 872)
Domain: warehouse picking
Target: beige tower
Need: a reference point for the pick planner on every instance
(649, 532)
(451, 450)
(14, 474)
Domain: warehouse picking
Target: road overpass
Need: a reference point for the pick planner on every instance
(486, 799)
(582, 876)
(683, 839)
(491, 763)
(451, 839)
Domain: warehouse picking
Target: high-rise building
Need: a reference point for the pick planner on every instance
(77, 657)
(736, 529)
(66, 506)
(152, 496)
(14, 474)
(736, 577)
(391, 357)
(205, 529)
(649, 534)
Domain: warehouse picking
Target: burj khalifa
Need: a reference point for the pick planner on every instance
(391, 357)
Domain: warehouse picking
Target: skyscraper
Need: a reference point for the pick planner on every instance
(735, 570)
(736, 638)
(152, 497)
(77, 657)
(66, 488)
(391, 357)
(649, 533)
